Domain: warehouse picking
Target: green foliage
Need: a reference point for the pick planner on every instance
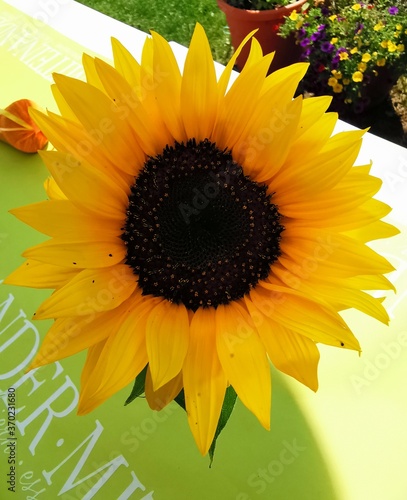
(350, 45)
(173, 19)
(138, 387)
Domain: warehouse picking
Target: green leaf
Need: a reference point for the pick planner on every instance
(138, 387)
(180, 399)
(227, 408)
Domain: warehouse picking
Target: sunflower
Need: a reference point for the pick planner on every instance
(199, 228)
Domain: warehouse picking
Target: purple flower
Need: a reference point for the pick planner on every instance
(335, 62)
(315, 36)
(321, 27)
(359, 28)
(393, 11)
(325, 11)
(305, 42)
(327, 47)
(301, 32)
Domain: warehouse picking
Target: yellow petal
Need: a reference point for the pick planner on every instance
(255, 54)
(375, 230)
(52, 190)
(267, 139)
(303, 316)
(204, 379)
(167, 83)
(63, 107)
(102, 119)
(126, 65)
(225, 76)
(199, 96)
(350, 192)
(127, 344)
(92, 76)
(307, 251)
(89, 292)
(86, 187)
(167, 341)
(312, 140)
(159, 399)
(46, 217)
(68, 336)
(39, 275)
(284, 81)
(293, 354)
(148, 130)
(377, 282)
(88, 369)
(71, 138)
(78, 254)
(243, 359)
(313, 108)
(237, 107)
(322, 171)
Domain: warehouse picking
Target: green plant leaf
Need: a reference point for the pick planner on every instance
(138, 387)
(227, 408)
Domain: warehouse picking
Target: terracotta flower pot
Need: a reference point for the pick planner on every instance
(241, 22)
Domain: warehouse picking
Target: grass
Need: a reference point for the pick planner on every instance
(173, 19)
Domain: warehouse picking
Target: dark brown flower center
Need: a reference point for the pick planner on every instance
(198, 231)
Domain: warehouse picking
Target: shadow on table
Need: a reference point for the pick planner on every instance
(250, 463)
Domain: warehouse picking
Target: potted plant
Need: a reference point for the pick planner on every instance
(356, 50)
(244, 16)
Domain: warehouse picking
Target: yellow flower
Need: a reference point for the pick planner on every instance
(206, 231)
(299, 24)
(384, 44)
(346, 81)
(362, 66)
(366, 57)
(334, 40)
(354, 50)
(400, 47)
(293, 16)
(381, 62)
(333, 17)
(379, 26)
(357, 76)
(337, 88)
(332, 81)
(348, 100)
(343, 56)
(391, 47)
(399, 27)
(337, 74)
(356, 6)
